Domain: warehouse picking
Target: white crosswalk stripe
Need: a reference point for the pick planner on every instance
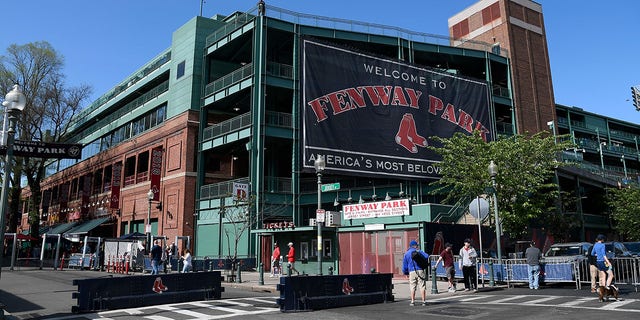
(590, 303)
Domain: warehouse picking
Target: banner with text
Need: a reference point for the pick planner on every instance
(116, 177)
(380, 209)
(375, 117)
(156, 172)
(45, 150)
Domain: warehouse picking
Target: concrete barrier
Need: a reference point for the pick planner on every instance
(304, 293)
(110, 293)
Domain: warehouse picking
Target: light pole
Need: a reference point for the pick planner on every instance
(14, 102)
(147, 226)
(319, 164)
(493, 171)
(624, 165)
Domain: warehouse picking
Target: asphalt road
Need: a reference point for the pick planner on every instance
(41, 294)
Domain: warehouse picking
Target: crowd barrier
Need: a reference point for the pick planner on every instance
(552, 270)
(110, 293)
(304, 293)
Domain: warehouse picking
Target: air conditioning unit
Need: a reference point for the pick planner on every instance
(333, 219)
(312, 222)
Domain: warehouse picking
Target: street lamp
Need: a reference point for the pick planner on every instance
(14, 102)
(493, 171)
(147, 227)
(319, 164)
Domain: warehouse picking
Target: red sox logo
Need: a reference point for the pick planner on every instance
(407, 135)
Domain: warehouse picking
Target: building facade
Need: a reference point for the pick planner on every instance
(217, 127)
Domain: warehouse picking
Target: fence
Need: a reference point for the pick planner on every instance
(513, 271)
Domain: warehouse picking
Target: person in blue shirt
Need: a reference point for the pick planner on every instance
(417, 275)
(156, 257)
(602, 262)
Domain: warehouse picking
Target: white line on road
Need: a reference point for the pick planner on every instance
(616, 304)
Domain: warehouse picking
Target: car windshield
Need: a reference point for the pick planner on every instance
(633, 246)
(564, 251)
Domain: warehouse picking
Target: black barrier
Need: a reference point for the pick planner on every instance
(303, 293)
(110, 293)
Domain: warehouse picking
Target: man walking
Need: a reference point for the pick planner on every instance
(533, 265)
(156, 257)
(417, 276)
(446, 256)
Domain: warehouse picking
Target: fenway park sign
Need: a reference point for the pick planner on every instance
(373, 116)
(38, 149)
(390, 208)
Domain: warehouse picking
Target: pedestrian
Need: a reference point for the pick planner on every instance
(156, 257)
(275, 260)
(533, 265)
(446, 256)
(468, 265)
(602, 262)
(187, 260)
(416, 275)
(291, 257)
(593, 270)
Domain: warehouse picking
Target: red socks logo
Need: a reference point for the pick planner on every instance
(346, 288)
(158, 287)
(407, 135)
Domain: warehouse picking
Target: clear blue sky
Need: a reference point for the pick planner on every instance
(594, 46)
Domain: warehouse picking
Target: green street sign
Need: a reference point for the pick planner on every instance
(330, 187)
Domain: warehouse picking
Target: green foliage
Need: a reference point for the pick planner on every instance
(525, 165)
(625, 211)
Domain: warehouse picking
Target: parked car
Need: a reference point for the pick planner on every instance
(568, 251)
(634, 247)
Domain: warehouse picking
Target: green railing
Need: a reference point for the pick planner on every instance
(146, 70)
(231, 78)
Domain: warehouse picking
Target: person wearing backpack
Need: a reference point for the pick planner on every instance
(414, 272)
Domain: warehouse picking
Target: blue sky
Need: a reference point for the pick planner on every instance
(593, 45)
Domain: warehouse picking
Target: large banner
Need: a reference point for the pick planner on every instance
(375, 117)
(156, 171)
(116, 177)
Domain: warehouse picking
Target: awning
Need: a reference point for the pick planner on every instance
(86, 226)
(61, 228)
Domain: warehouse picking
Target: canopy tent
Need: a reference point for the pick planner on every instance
(133, 235)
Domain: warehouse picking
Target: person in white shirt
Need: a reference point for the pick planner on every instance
(468, 265)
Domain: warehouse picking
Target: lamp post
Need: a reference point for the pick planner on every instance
(14, 102)
(148, 224)
(624, 165)
(319, 164)
(493, 171)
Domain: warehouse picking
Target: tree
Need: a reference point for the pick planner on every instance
(51, 105)
(526, 165)
(238, 219)
(625, 211)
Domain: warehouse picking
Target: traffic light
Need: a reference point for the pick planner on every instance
(635, 93)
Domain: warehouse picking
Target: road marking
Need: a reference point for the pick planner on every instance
(158, 318)
(538, 301)
(616, 304)
(471, 298)
(575, 302)
(260, 300)
(508, 299)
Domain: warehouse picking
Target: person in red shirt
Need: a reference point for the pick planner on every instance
(275, 261)
(291, 257)
(446, 256)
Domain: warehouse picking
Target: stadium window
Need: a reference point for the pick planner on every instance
(180, 71)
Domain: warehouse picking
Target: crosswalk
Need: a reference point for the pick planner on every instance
(201, 310)
(592, 303)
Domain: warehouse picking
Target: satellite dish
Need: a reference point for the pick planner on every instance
(479, 206)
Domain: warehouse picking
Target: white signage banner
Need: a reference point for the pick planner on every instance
(390, 208)
(240, 191)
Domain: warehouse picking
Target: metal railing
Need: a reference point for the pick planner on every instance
(236, 76)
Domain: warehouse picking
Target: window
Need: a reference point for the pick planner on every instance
(180, 71)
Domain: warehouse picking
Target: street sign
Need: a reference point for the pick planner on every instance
(320, 215)
(330, 187)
